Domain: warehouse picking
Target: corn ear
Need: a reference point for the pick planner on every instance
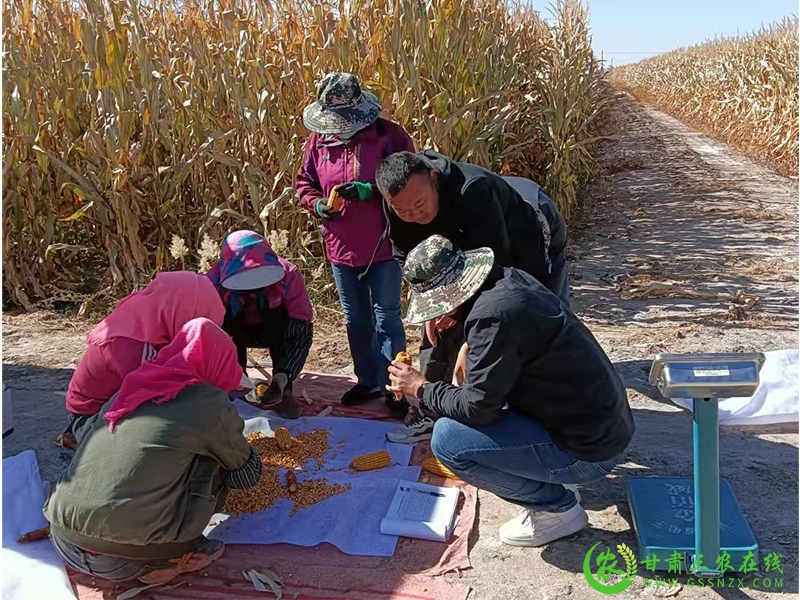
(434, 466)
(403, 357)
(334, 200)
(291, 482)
(370, 462)
(283, 438)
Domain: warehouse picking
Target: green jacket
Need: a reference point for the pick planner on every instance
(149, 488)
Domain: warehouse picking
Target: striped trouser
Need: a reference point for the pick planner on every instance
(298, 338)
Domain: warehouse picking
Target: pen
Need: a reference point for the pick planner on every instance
(422, 492)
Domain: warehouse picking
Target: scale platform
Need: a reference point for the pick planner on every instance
(699, 518)
(663, 517)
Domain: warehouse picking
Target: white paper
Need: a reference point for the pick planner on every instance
(31, 571)
(422, 511)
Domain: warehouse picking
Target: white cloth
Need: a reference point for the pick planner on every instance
(775, 400)
(31, 571)
(350, 521)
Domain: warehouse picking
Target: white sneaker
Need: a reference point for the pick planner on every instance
(418, 429)
(534, 528)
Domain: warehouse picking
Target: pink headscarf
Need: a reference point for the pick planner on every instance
(155, 314)
(200, 352)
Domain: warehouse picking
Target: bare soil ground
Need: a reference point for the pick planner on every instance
(684, 246)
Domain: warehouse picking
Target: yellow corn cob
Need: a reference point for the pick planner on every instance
(432, 465)
(261, 389)
(369, 462)
(334, 200)
(283, 438)
(403, 357)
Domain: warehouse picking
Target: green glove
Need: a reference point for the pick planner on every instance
(355, 191)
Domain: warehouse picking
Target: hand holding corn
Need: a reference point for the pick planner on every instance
(329, 209)
(405, 381)
(335, 200)
(405, 358)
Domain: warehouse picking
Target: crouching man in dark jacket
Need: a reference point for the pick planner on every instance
(541, 407)
(428, 194)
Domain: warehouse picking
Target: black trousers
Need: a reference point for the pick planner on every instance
(288, 340)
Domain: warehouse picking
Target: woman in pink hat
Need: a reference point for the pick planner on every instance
(266, 306)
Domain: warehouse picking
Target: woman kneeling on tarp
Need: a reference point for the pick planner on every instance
(267, 306)
(138, 327)
(156, 465)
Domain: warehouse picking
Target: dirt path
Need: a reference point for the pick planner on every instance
(676, 212)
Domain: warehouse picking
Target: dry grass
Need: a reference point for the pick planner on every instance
(128, 123)
(741, 90)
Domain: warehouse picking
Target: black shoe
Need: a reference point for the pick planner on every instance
(360, 394)
(274, 393)
(397, 408)
(289, 408)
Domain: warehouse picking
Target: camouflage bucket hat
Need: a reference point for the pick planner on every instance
(442, 277)
(342, 107)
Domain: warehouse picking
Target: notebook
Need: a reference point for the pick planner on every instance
(422, 511)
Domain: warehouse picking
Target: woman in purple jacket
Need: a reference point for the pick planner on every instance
(348, 142)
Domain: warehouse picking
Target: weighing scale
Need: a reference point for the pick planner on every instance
(697, 517)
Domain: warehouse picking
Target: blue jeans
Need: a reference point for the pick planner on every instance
(515, 458)
(372, 312)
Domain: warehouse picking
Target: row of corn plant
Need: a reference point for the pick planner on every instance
(743, 90)
(137, 134)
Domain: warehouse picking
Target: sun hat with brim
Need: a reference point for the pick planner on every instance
(254, 279)
(442, 277)
(247, 262)
(342, 107)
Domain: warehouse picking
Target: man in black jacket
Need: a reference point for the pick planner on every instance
(541, 406)
(427, 194)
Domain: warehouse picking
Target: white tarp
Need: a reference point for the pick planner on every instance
(775, 400)
(32, 571)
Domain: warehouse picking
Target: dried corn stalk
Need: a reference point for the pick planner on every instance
(128, 123)
(743, 90)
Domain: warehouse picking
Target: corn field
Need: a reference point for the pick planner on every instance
(137, 135)
(741, 90)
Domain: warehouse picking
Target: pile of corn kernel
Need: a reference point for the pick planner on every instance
(272, 486)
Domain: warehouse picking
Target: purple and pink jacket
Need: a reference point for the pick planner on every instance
(353, 238)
